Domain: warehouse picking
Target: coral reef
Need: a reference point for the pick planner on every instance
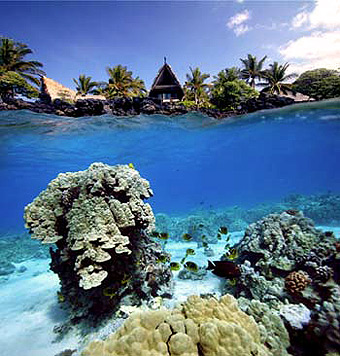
(296, 315)
(284, 260)
(98, 220)
(273, 332)
(200, 327)
(296, 282)
(323, 209)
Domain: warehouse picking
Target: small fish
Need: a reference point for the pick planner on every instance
(183, 259)
(233, 282)
(163, 236)
(223, 230)
(175, 266)
(155, 234)
(205, 244)
(162, 259)
(228, 238)
(126, 280)
(190, 252)
(61, 297)
(232, 254)
(219, 236)
(226, 269)
(203, 237)
(109, 292)
(201, 225)
(227, 247)
(131, 166)
(187, 237)
(191, 266)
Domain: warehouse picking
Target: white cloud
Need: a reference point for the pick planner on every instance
(317, 50)
(320, 46)
(237, 22)
(326, 15)
(241, 29)
(240, 1)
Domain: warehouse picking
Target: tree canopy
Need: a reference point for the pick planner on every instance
(252, 69)
(228, 91)
(16, 73)
(319, 83)
(275, 77)
(195, 87)
(121, 83)
(84, 85)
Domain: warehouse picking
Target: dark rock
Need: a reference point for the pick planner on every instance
(90, 107)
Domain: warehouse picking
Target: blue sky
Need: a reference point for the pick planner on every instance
(73, 38)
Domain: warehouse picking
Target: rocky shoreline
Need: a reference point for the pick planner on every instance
(136, 106)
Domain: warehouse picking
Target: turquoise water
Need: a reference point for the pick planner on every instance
(192, 162)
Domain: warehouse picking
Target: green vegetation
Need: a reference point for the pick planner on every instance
(195, 88)
(122, 84)
(275, 77)
(252, 69)
(319, 83)
(228, 91)
(17, 76)
(85, 85)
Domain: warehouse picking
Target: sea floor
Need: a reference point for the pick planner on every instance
(29, 307)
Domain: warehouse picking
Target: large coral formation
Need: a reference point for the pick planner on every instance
(284, 259)
(98, 220)
(201, 327)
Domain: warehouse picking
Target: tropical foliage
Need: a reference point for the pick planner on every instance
(194, 88)
(17, 74)
(122, 84)
(84, 85)
(12, 83)
(275, 77)
(319, 83)
(252, 69)
(228, 91)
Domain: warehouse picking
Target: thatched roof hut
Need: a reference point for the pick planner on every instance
(166, 86)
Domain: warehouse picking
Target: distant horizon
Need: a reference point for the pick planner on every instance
(72, 38)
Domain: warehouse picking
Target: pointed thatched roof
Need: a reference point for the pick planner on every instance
(166, 82)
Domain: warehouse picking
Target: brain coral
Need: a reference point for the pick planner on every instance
(202, 327)
(97, 218)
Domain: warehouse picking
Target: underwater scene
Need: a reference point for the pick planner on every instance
(163, 235)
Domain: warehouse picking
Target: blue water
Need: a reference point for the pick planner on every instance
(192, 162)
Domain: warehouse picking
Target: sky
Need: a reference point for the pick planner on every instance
(85, 37)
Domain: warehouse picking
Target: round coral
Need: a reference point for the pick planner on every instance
(296, 282)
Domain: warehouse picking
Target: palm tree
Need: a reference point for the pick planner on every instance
(252, 69)
(275, 76)
(85, 85)
(195, 84)
(12, 60)
(122, 84)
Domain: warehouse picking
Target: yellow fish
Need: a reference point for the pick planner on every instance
(131, 166)
(232, 254)
(109, 292)
(187, 237)
(61, 298)
(233, 282)
(175, 266)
